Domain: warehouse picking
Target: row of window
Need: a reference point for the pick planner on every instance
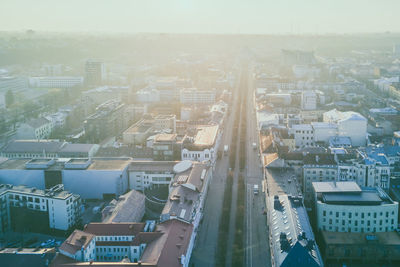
(350, 214)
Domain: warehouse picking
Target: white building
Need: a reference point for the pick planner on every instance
(351, 124)
(323, 131)
(203, 146)
(195, 96)
(148, 95)
(145, 174)
(35, 129)
(55, 82)
(308, 100)
(303, 135)
(168, 244)
(345, 207)
(61, 208)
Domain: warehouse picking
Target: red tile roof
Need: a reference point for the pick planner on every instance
(76, 241)
(114, 229)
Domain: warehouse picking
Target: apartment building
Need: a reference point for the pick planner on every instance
(317, 167)
(52, 208)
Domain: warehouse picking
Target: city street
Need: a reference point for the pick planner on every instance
(256, 235)
(207, 237)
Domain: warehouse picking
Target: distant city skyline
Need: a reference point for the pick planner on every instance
(206, 16)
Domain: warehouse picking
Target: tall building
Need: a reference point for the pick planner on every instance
(95, 72)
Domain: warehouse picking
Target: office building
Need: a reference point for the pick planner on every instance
(347, 207)
(55, 82)
(95, 178)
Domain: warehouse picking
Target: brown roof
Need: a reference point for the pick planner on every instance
(114, 228)
(145, 238)
(167, 250)
(76, 241)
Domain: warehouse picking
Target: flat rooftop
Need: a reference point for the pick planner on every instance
(342, 238)
(62, 194)
(362, 198)
(160, 166)
(331, 187)
(109, 163)
(206, 135)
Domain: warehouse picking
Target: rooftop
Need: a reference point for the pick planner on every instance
(114, 229)
(335, 187)
(33, 146)
(57, 191)
(319, 159)
(206, 135)
(165, 137)
(341, 238)
(157, 166)
(291, 233)
(125, 209)
(76, 241)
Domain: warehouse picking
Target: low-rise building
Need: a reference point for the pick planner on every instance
(129, 207)
(346, 207)
(168, 244)
(52, 208)
(203, 146)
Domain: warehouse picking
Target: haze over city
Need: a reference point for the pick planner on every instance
(182, 133)
(207, 16)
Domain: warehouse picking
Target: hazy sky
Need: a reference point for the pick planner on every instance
(204, 16)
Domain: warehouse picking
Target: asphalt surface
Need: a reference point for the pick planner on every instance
(256, 232)
(207, 237)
